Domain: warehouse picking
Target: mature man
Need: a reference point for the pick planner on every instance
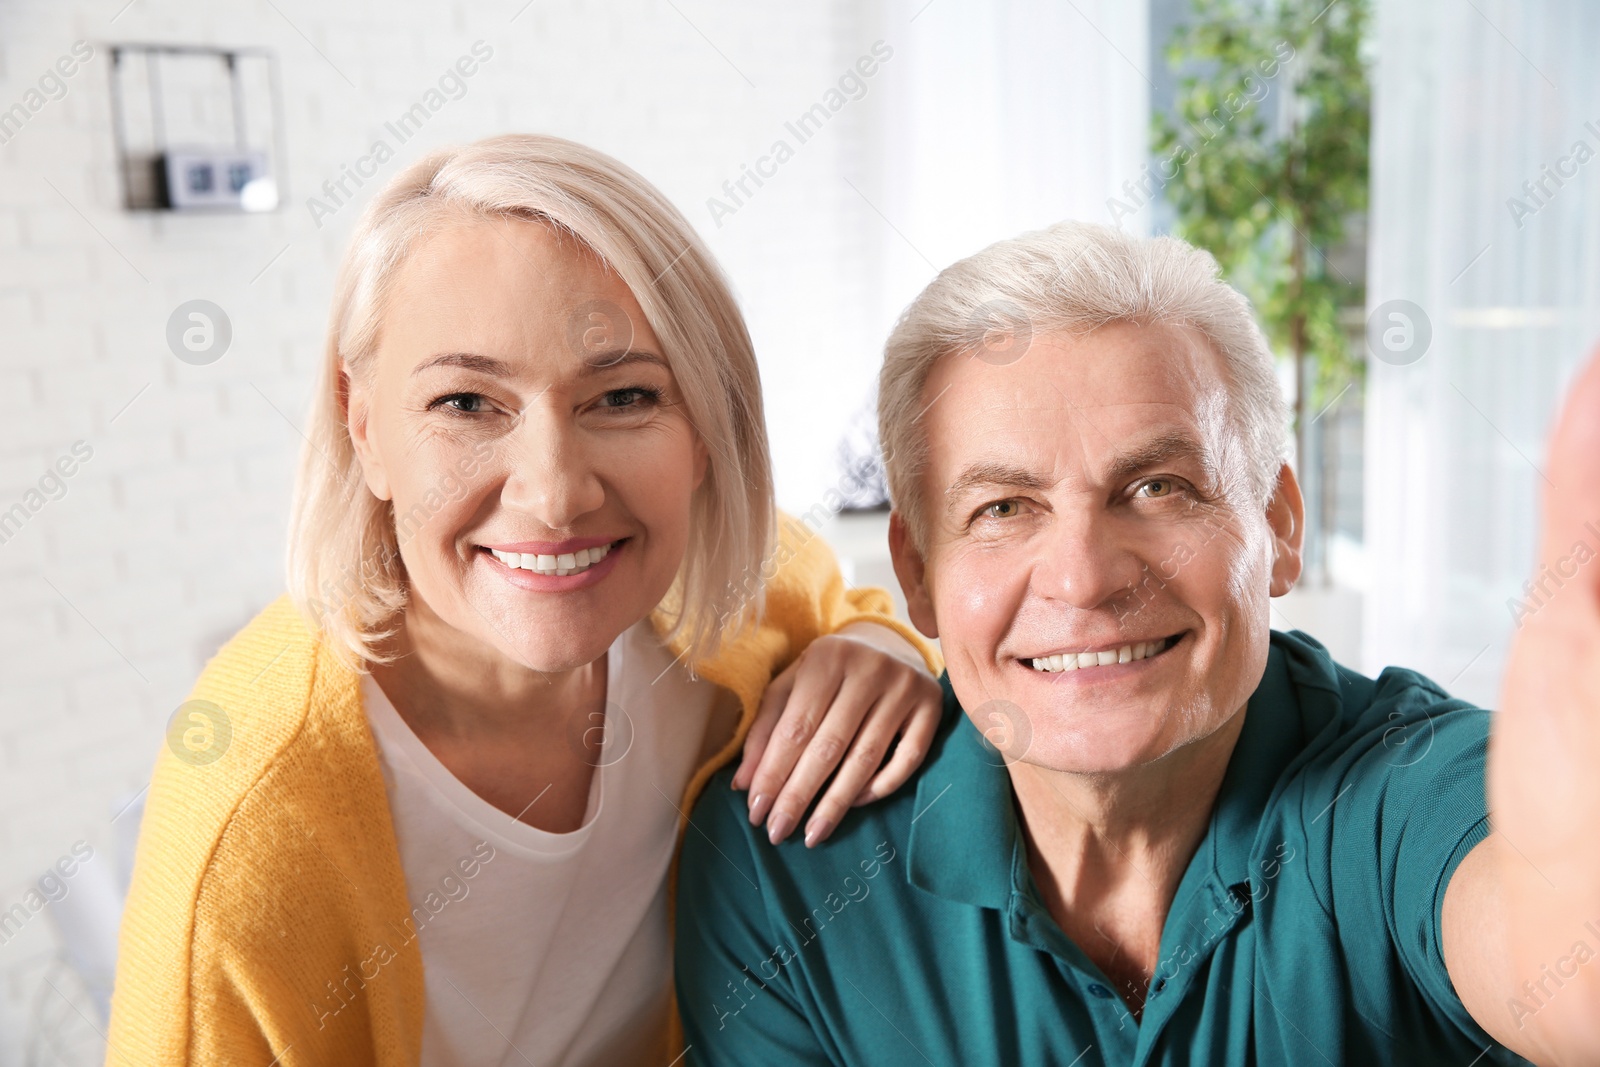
(1161, 833)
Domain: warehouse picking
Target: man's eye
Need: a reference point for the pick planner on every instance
(461, 403)
(1156, 487)
(1001, 509)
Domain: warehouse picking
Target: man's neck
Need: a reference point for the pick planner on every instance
(1107, 851)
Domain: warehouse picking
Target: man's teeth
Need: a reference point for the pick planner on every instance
(562, 565)
(1069, 661)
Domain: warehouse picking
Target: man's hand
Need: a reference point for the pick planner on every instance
(1544, 763)
(839, 705)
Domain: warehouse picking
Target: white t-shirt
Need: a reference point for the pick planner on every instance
(544, 948)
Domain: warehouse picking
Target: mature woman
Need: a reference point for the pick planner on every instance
(536, 601)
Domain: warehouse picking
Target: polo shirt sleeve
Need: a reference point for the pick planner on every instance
(1411, 796)
(734, 994)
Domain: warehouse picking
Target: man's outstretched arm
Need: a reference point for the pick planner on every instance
(1521, 923)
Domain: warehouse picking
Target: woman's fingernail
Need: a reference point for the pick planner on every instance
(759, 805)
(779, 827)
(817, 831)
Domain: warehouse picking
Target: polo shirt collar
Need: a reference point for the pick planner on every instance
(965, 834)
(1298, 697)
(964, 829)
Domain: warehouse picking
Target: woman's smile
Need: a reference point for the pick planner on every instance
(554, 567)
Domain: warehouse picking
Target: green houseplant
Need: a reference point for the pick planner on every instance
(1264, 159)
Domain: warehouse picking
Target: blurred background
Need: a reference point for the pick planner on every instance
(1404, 187)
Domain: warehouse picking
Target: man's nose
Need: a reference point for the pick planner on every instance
(550, 473)
(1087, 563)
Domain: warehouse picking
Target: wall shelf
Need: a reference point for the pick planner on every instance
(197, 128)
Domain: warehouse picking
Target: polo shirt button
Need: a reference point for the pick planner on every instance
(1098, 990)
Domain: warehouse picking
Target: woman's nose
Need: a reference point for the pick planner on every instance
(550, 474)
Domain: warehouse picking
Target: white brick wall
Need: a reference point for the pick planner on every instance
(171, 536)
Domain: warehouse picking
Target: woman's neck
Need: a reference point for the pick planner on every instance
(526, 741)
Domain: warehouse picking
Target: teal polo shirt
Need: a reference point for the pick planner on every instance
(1305, 931)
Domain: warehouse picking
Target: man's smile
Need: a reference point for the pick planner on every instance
(1107, 656)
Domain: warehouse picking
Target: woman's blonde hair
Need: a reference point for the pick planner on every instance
(345, 572)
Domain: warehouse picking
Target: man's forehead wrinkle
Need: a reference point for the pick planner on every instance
(1078, 410)
(1091, 430)
(1123, 461)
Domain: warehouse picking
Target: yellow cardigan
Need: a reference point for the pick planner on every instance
(268, 884)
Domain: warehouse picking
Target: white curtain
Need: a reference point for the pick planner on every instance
(1010, 115)
(984, 118)
(1473, 99)
(1001, 116)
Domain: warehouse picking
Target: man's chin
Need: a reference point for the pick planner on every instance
(1094, 759)
(1078, 740)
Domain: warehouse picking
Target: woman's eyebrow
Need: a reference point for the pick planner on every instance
(467, 361)
(594, 363)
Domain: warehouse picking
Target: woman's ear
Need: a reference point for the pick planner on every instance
(357, 407)
(912, 570)
(702, 459)
(1286, 515)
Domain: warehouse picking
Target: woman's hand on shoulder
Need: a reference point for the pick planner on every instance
(839, 707)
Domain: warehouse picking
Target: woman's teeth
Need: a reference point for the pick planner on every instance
(562, 565)
(1068, 661)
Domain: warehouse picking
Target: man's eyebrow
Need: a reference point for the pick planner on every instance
(993, 473)
(1170, 447)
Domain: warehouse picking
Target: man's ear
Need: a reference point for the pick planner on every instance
(911, 569)
(1286, 515)
(357, 406)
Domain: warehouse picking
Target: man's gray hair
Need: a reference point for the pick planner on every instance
(1072, 278)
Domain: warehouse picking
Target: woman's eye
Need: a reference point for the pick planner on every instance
(1003, 509)
(462, 403)
(1156, 487)
(635, 397)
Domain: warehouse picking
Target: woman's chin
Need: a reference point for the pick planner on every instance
(550, 642)
(561, 651)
